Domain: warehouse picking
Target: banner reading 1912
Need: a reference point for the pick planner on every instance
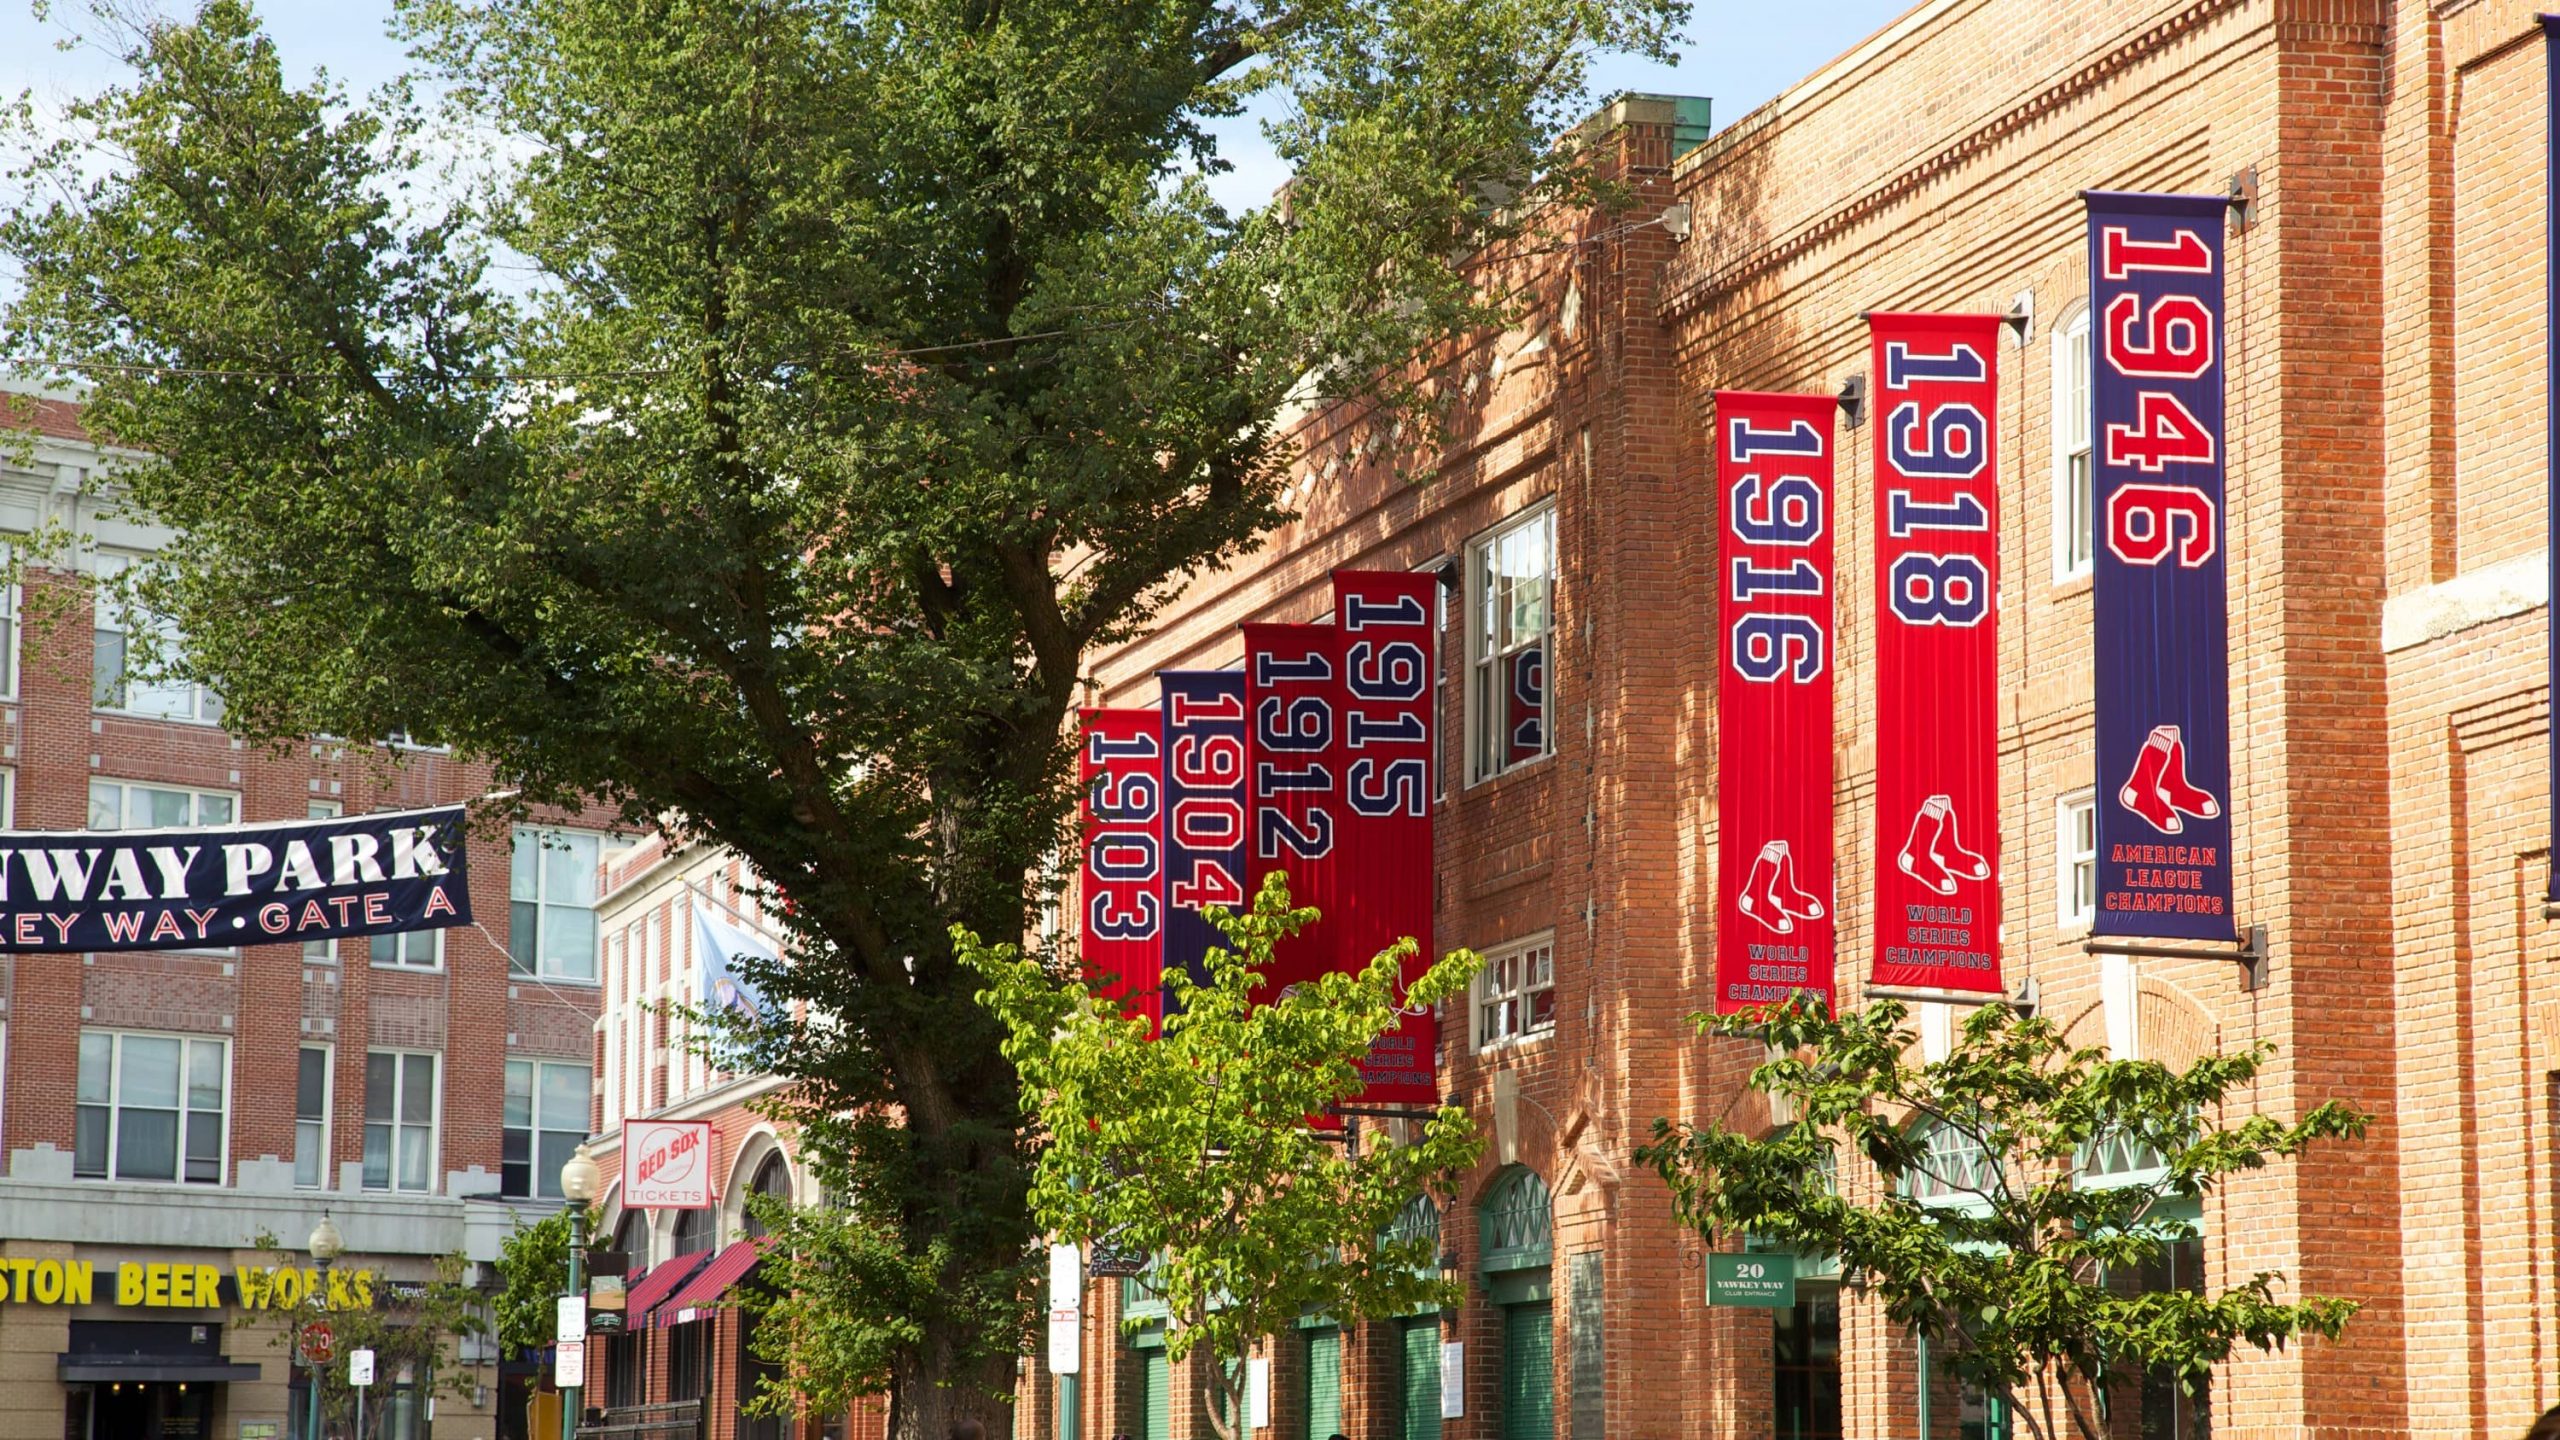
(1937, 515)
(243, 885)
(1775, 634)
(1384, 618)
(1204, 826)
(1121, 769)
(1293, 707)
(2158, 594)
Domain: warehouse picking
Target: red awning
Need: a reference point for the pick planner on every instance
(703, 1290)
(656, 1284)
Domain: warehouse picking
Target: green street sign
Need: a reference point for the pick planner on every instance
(1765, 1281)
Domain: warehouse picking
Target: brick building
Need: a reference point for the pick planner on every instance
(164, 1109)
(2387, 484)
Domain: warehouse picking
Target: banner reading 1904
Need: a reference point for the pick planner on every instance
(1122, 901)
(2159, 591)
(1775, 635)
(1937, 528)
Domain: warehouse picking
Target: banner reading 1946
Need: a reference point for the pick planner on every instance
(1384, 618)
(1774, 470)
(2159, 591)
(244, 885)
(1122, 915)
(1937, 517)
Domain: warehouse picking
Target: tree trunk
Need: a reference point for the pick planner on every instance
(929, 1397)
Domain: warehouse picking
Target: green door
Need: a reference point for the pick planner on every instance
(1155, 1396)
(1421, 1379)
(1324, 1382)
(1528, 1372)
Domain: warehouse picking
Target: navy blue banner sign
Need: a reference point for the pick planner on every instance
(1204, 759)
(2161, 587)
(240, 885)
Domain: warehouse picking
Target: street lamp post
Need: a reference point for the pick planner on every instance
(578, 1181)
(326, 1246)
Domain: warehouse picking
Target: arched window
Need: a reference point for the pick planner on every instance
(696, 1231)
(1956, 1173)
(1515, 1222)
(2074, 515)
(773, 1178)
(631, 1237)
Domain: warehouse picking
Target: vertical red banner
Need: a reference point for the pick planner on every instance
(1775, 929)
(1937, 516)
(1121, 768)
(1384, 620)
(1293, 719)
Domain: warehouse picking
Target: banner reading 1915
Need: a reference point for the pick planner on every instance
(2159, 591)
(1122, 913)
(1937, 515)
(1385, 620)
(1775, 637)
(243, 885)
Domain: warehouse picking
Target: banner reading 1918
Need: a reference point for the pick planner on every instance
(1774, 471)
(1204, 826)
(1293, 714)
(1122, 914)
(1384, 618)
(1937, 917)
(2158, 594)
(242, 885)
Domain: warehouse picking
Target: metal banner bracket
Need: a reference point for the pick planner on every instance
(2250, 950)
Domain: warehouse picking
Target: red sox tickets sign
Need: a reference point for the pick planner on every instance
(666, 1165)
(1937, 916)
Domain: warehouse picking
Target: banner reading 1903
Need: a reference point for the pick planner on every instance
(1775, 635)
(1122, 914)
(1937, 519)
(2159, 591)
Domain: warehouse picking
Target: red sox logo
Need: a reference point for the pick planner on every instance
(1934, 854)
(1770, 894)
(2158, 791)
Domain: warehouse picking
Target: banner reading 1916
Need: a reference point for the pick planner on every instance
(1937, 517)
(1122, 915)
(1774, 876)
(1385, 620)
(243, 885)
(2159, 591)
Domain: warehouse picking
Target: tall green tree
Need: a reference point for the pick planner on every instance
(1195, 1149)
(761, 445)
(1994, 1236)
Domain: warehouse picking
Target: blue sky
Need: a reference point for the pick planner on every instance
(1738, 55)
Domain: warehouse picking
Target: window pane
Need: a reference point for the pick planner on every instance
(308, 1159)
(204, 1075)
(377, 1157)
(569, 941)
(204, 1148)
(146, 1144)
(97, 1054)
(311, 1085)
(564, 1097)
(213, 809)
(383, 951)
(89, 1140)
(524, 870)
(557, 1147)
(106, 805)
(415, 1143)
(381, 1083)
(106, 688)
(524, 939)
(569, 869)
(167, 809)
(417, 1089)
(515, 1162)
(519, 1110)
(149, 1072)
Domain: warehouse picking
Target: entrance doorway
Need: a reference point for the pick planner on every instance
(160, 1410)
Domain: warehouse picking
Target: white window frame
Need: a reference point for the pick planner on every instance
(2074, 372)
(535, 966)
(109, 615)
(322, 952)
(1484, 655)
(328, 1115)
(8, 799)
(12, 612)
(435, 1120)
(435, 951)
(2070, 813)
(195, 819)
(1483, 994)
(115, 1106)
(1436, 567)
(539, 1124)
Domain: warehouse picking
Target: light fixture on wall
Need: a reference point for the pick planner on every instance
(2021, 318)
(1853, 401)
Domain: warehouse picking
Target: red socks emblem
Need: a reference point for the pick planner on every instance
(2158, 790)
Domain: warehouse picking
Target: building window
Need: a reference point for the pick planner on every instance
(410, 949)
(2076, 859)
(322, 952)
(2073, 531)
(399, 1121)
(696, 1231)
(123, 805)
(546, 1121)
(1955, 1173)
(773, 1181)
(1511, 588)
(130, 643)
(552, 918)
(150, 1107)
(1515, 993)
(311, 1119)
(9, 600)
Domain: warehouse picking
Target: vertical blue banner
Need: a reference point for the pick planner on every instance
(2161, 589)
(1204, 811)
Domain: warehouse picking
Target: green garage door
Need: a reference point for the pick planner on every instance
(1324, 1382)
(1421, 1379)
(1155, 1396)
(1528, 1372)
